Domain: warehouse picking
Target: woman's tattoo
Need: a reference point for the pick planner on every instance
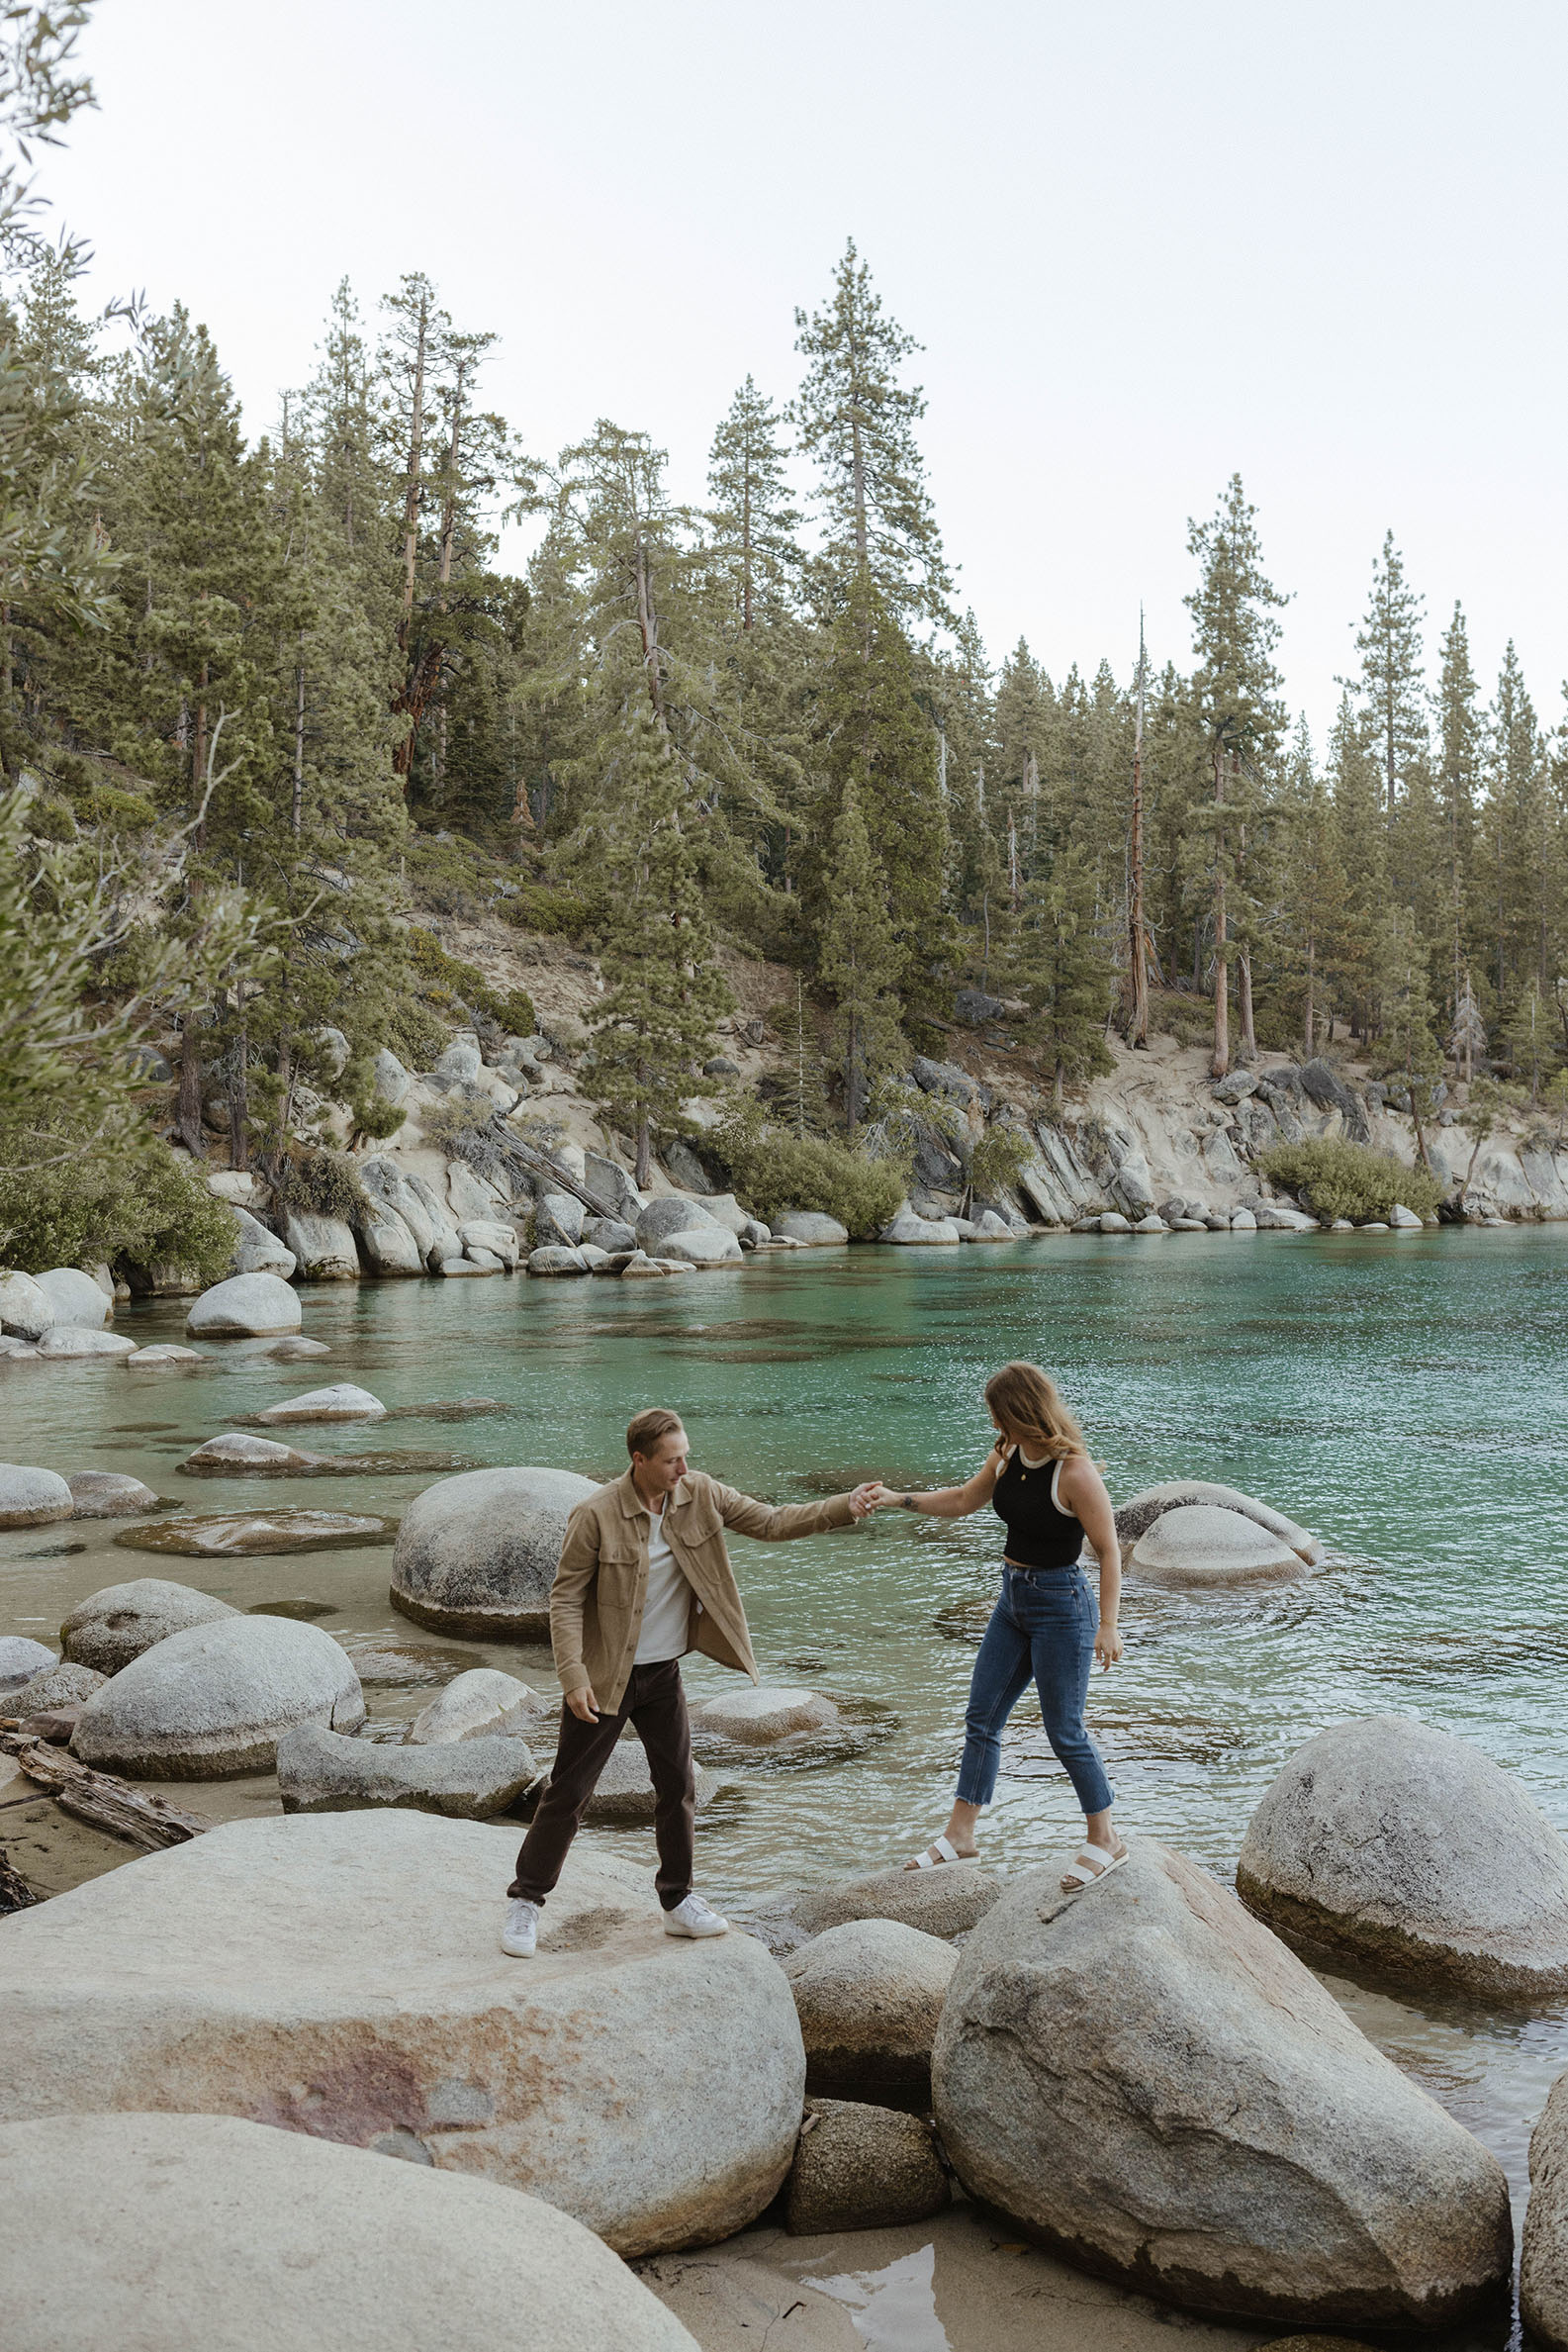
(906, 1502)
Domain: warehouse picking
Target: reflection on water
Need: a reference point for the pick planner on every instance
(1404, 1399)
(894, 2309)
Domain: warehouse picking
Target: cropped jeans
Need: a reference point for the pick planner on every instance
(1043, 1626)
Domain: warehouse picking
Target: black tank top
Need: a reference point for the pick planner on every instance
(1040, 1532)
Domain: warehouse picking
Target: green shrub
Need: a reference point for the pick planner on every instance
(773, 1170)
(448, 981)
(449, 1123)
(553, 914)
(320, 1185)
(1346, 1180)
(374, 1117)
(998, 1160)
(124, 1199)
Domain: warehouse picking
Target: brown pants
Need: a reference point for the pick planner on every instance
(653, 1704)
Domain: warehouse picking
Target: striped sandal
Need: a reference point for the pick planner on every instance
(1085, 1869)
(940, 1850)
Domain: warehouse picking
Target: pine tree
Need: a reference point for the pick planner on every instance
(1457, 783)
(752, 517)
(1063, 971)
(1315, 889)
(1392, 685)
(1406, 1016)
(858, 962)
(1355, 782)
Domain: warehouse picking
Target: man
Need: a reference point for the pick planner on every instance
(643, 1578)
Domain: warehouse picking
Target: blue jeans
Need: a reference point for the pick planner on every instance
(1042, 1625)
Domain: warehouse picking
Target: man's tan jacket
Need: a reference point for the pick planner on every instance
(601, 1578)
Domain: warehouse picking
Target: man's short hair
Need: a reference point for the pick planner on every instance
(645, 1431)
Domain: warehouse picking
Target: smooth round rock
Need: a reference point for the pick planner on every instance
(32, 1497)
(216, 1699)
(477, 1554)
(1354, 1852)
(946, 1901)
(672, 1213)
(208, 2233)
(1199, 1546)
(163, 1358)
(322, 1771)
(1141, 1511)
(862, 2167)
(238, 1454)
(762, 1717)
(623, 1796)
(552, 1261)
(252, 1306)
(66, 1340)
(1141, 2075)
(341, 1974)
(1543, 2265)
(111, 1627)
(21, 1658)
(342, 1402)
(76, 1297)
(26, 1310)
(704, 1245)
(108, 1494)
(869, 1995)
(259, 1534)
(61, 1685)
(475, 1705)
(811, 1228)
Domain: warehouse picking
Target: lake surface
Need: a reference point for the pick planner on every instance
(1405, 1398)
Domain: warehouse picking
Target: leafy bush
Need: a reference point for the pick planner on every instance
(998, 1160)
(125, 1201)
(554, 913)
(374, 1117)
(1346, 1180)
(448, 981)
(320, 1185)
(773, 1170)
(450, 1123)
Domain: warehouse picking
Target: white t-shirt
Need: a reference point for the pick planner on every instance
(667, 1606)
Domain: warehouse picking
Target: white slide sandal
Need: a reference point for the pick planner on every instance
(1083, 1872)
(940, 1850)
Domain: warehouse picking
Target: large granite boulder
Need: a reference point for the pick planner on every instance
(1142, 2077)
(206, 2233)
(868, 1996)
(322, 1772)
(236, 1453)
(21, 1657)
(31, 1497)
(766, 1715)
(704, 1245)
(245, 1306)
(323, 1247)
(476, 1554)
(862, 2167)
(108, 1494)
(76, 1297)
(55, 1688)
(1543, 2264)
(26, 1310)
(258, 1250)
(417, 1207)
(81, 1339)
(676, 1212)
(110, 1627)
(342, 1402)
(1392, 1847)
(1199, 1546)
(812, 1228)
(216, 1699)
(907, 1231)
(623, 1796)
(558, 1263)
(1137, 1515)
(946, 1901)
(342, 1975)
(559, 1219)
(386, 1243)
(478, 1705)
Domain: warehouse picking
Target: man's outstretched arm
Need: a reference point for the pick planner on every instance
(777, 1523)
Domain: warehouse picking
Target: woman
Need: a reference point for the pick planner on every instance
(1042, 1485)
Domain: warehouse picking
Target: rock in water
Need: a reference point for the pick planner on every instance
(869, 1995)
(1142, 1510)
(21, 1658)
(863, 2168)
(152, 1359)
(337, 2246)
(704, 1245)
(323, 1247)
(32, 1497)
(476, 1554)
(110, 1627)
(342, 1402)
(322, 1771)
(477, 1704)
(760, 1718)
(258, 1534)
(108, 1494)
(26, 1310)
(946, 1901)
(238, 1454)
(216, 1699)
(1397, 1849)
(78, 1339)
(623, 1794)
(1543, 2266)
(257, 1251)
(1147, 2079)
(76, 1298)
(246, 1307)
(340, 1974)
(811, 1227)
(1198, 1545)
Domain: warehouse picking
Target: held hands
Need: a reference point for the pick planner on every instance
(865, 1498)
(878, 1496)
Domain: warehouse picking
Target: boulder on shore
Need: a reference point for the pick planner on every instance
(258, 1250)
(76, 1298)
(21, 1657)
(1354, 1852)
(907, 1231)
(1142, 2077)
(672, 1213)
(26, 1310)
(477, 1554)
(477, 1705)
(247, 1306)
(322, 1772)
(215, 1700)
(56, 1686)
(869, 1995)
(208, 2233)
(946, 1901)
(862, 2167)
(703, 1245)
(811, 1227)
(340, 1975)
(111, 1627)
(1199, 1545)
(1543, 2264)
(31, 1497)
(323, 1247)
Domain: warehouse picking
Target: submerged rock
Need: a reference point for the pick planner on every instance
(322, 1771)
(869, 1995)
(259, 1534)
(1394, 1847)
(248, 1305)
(1144, 2077)
(111, 1627)
(651, 2088)
(31, 1497)
(335, 2246)
(1199, 1544)
(342, 1402)
(236, 1455)
(108, 1494)
(762, 1717)
(216, 1699)
(860, 2167)
(1141, 1511)
(946, 1901)
(476, 1554)
(152, 1359)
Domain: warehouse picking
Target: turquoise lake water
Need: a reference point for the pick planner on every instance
(1405, 1398)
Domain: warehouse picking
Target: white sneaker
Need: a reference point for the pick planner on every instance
(520, 1935)
(693, 1916)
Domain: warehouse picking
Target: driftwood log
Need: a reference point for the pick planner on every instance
(102, 1799)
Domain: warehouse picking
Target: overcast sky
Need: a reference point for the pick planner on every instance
(1145, 245)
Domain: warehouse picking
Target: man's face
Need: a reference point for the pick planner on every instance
(662, 1471)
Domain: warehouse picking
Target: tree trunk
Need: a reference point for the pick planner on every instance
(1311, 958)
(857, 475)
(644, 1165)
(1222, 970)
(1244, 1002)
(239, 1095)
(297, 796)
(189, 1119)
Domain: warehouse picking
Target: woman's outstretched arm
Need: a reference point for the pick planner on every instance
(947, 1502)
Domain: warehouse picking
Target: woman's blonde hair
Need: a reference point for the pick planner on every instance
(1028, 1404)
